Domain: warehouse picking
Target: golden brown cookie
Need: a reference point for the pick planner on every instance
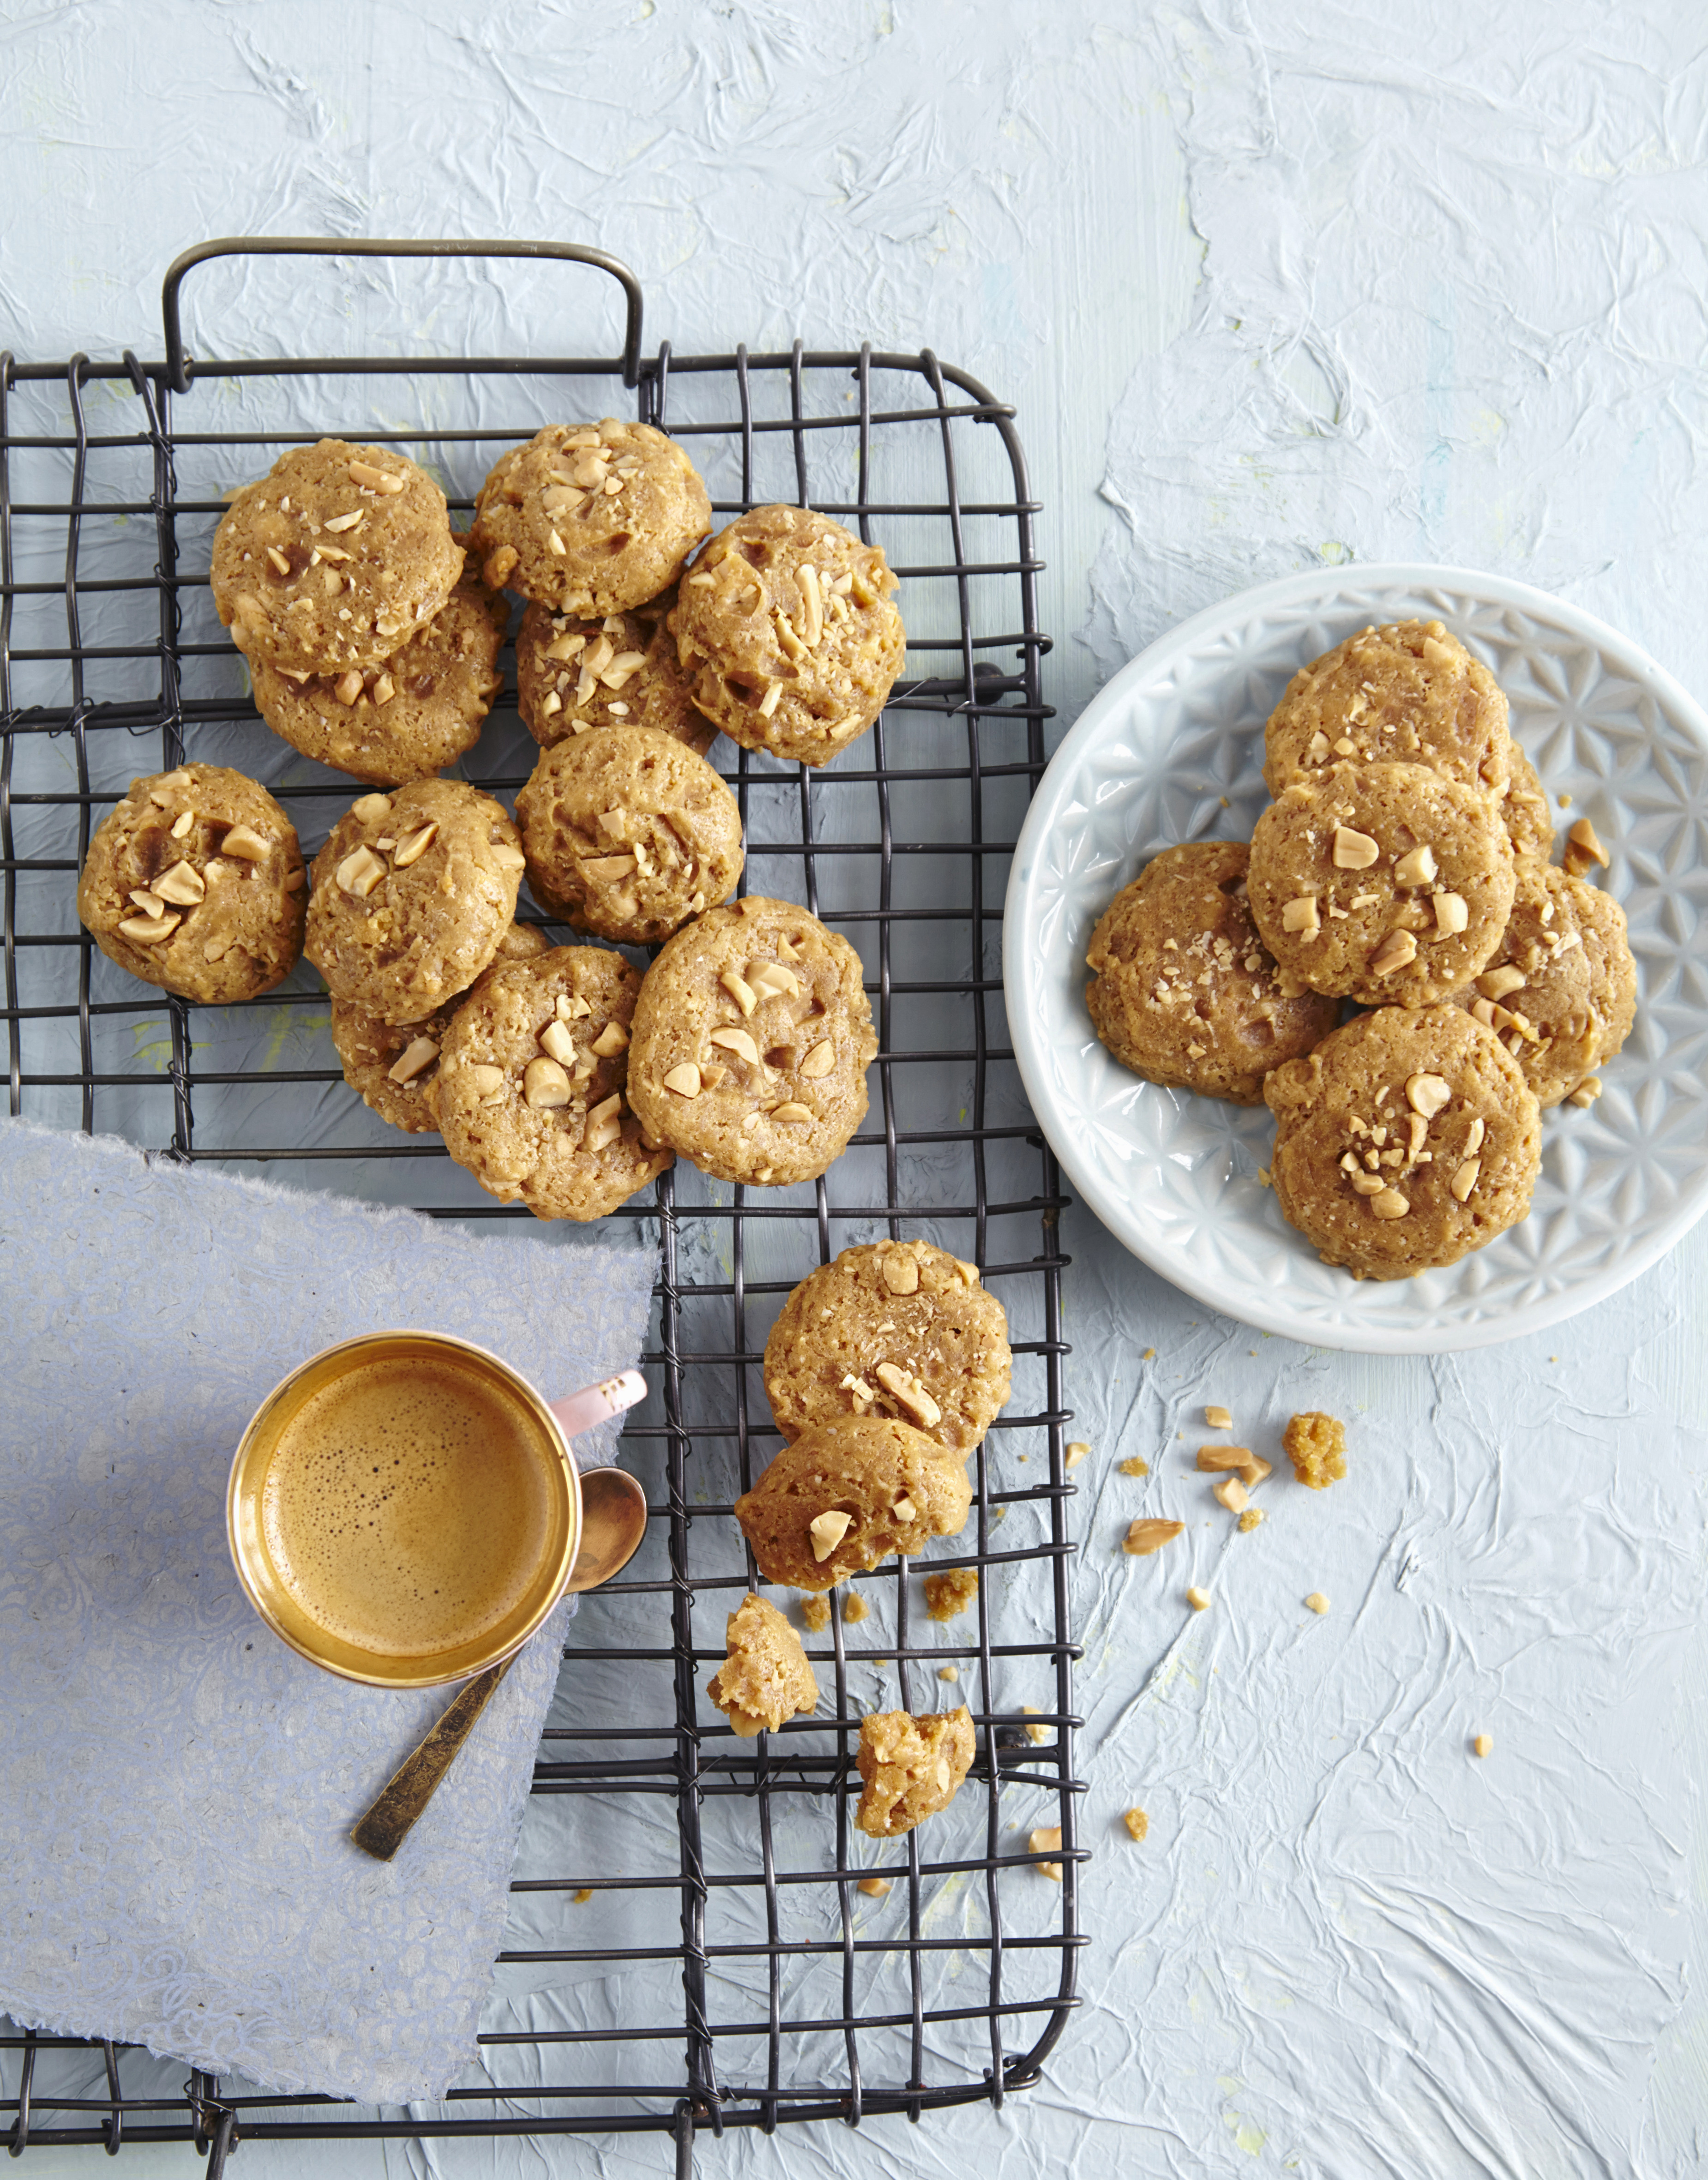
(408, 717)
(846, 1494)
(1383, 882)
(411, 896)
(897, 1329)
(765, 1679)
(912, 1766)
(395, 1065)
(573, 676)
(1524, 811)
(334, 558)
(194, 882)
(628, 833)
(751, 1042)
(590, 519)
(1407, 694)
(1560, 991)
(532, 1074)
(788, 634)
(1183, 991)
(1406, 1139)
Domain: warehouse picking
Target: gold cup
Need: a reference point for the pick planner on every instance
(534, 1427)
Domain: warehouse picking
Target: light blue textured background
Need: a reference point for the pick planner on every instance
(1271, 284)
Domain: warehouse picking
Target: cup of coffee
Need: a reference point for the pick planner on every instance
(404, 1509)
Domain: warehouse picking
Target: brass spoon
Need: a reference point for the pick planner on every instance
(614, 1521)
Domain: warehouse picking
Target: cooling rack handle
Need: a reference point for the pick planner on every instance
(177, 361)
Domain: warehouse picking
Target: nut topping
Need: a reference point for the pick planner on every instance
(769, 979)
(610, 870)
(611, 1040)
(1143, 1537)
(1496, 983)
(182, 822)
(1368, 1184)
(488, 1082)
(738, 1042)
(1452, 915)
(281, 565)
(827, 1531)
(741, 991)
(360, 872)
(1583, 850)
(149, 930)
(899, 1272)
(1474, 1141)
(684, 1080)
(371, 809)
(243, 841)
(1587, 1091)
(557, 1042)
(819, 1060)
(372, 480)
(418, 1053)
(1041, 1839)
(1428, 1093)
(1301, 916)
(149, 902)
(1416, 869)
(1231, 1493)
(794, 1112)
(183, 885)
(545, 1086)
(904, 1509)
(1465, 1179)
(348, 687)
(907, 1391)
(604, 1124)
(416, 845)
(1353, 851)
(1396, 949)
(1390, 1204)
(508, 858)
(338, 524)
(384, 688)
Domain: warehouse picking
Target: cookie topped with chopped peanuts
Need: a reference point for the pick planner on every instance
(788, 633)
(1406, 1140)
(846, 1494)
(898, 1329)
(531, 1084)
(1407, 694)
(912, 1765)
(1524, 811)
(194, 882)
(1387, 883)
(411, 896)
(1184, 992)
(765, 1678)
(573, 676)
(752, 1041)
(628, 833)
(408, 717)
(590, 519)
(334, 558)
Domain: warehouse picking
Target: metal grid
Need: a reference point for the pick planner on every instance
(789, 1999)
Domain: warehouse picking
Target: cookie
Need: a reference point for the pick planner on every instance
(765, 1678)
(408, 717)
(572, 675)
(194, 882)
(1383, 882)
(334, 558)
(1406, 1139)
(411, 896)
(1407, 694)
(1183, 991)
(590, 519)
(628, 833)
(898, 1329)
(751, 1042)
(1560, 991)
(395, 1065)
(1524, 811)
(532, 1077)
(787, 633)
(846, 1494)
(912, 1766)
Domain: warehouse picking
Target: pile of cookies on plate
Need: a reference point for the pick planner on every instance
(1401, 875)
(884, 1370)
(560, 1077)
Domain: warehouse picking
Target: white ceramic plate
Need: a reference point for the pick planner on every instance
(1170, 751)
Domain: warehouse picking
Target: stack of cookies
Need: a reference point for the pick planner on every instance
(1400, 876)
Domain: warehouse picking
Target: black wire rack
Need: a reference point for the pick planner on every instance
(690, 1949)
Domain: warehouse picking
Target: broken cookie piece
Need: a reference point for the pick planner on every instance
(765, 1678)
(948, 1593)
(846, 1494)
(912, 1766)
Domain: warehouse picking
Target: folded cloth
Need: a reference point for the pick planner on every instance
(177, 1786)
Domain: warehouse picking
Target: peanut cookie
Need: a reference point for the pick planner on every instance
(787, 633)
(531, 1081)
(590, 518)
(765, 1678)
(411, 896)
(1384, 883)
(194, 882)
(628, 833)
(1524, 811)
(751, 1042)
(845, 1496)
(572, 675)
(408, 717)
(912, 1766)
(1183, 991)
(1560, 991)
(1408, 694)
(334, 558)
(898, 1329)
(395, 1065)
(1406, 1139)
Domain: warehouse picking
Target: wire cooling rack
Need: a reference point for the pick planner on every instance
(689, 1946)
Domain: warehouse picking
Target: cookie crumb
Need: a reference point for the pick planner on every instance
(1316, 1602)
(815, 1614)
(854, 1607)
(1135, 1467)
(948, 1594)
(1148, 1356)
(1138, 1823)
(1037, 1735)
(1250, 1520)
(1077, 1450)
(874, 1888)
(1217, 1417)
(1198, 1599)
(580, 1899)
(1484, 1744)
(1043, 1838)
(1316, 1446)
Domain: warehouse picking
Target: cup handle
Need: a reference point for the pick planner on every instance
(594, 1404)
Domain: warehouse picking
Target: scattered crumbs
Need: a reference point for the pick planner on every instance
(1226, 804)
(1148, 1356)
(1077, 1450)
(854, 1607)
(874, 1888)
(1316, 1446)
(1138, 1823)
(1021, 1458)
(1198, 1599)
(1565, 801)
(815, 1614)
(1219, 1418)
(1317, 1602)
(1250, 1520)
(949, 1594)
(1484, 1743)
(1037, 1735)
(949, 1672)
(581, 1899)
(1041, 1840)
(1135, 1467)
(1553, 1358)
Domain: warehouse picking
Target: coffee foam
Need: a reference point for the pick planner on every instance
(406, 1507)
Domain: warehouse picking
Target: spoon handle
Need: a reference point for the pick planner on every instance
(407, 1793)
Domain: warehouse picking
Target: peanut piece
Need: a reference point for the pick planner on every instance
(1316, 1602)
(1041, 1839)
(1496, 983)
(1396, 950)
(1231, 1493)
(1353, 851)
(411, 850)
(1218, 1418)
(545, 1086)
(1390, 1204)
(684, 1080)
(908, 1391)
(1416, 869)
(556, 1042)
(419, 1053)
(1144, 1537)
(741, 991)
(899, 1272)
(243, 841)
(360, 872)
(818, 1062)
(1452, 915)
(611, 1040)
(1428, 1093)
(738, 1042)
(183, 885)
(1198, 1598)
(1301, 916)
(827, 1531)
(1465, 1179)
